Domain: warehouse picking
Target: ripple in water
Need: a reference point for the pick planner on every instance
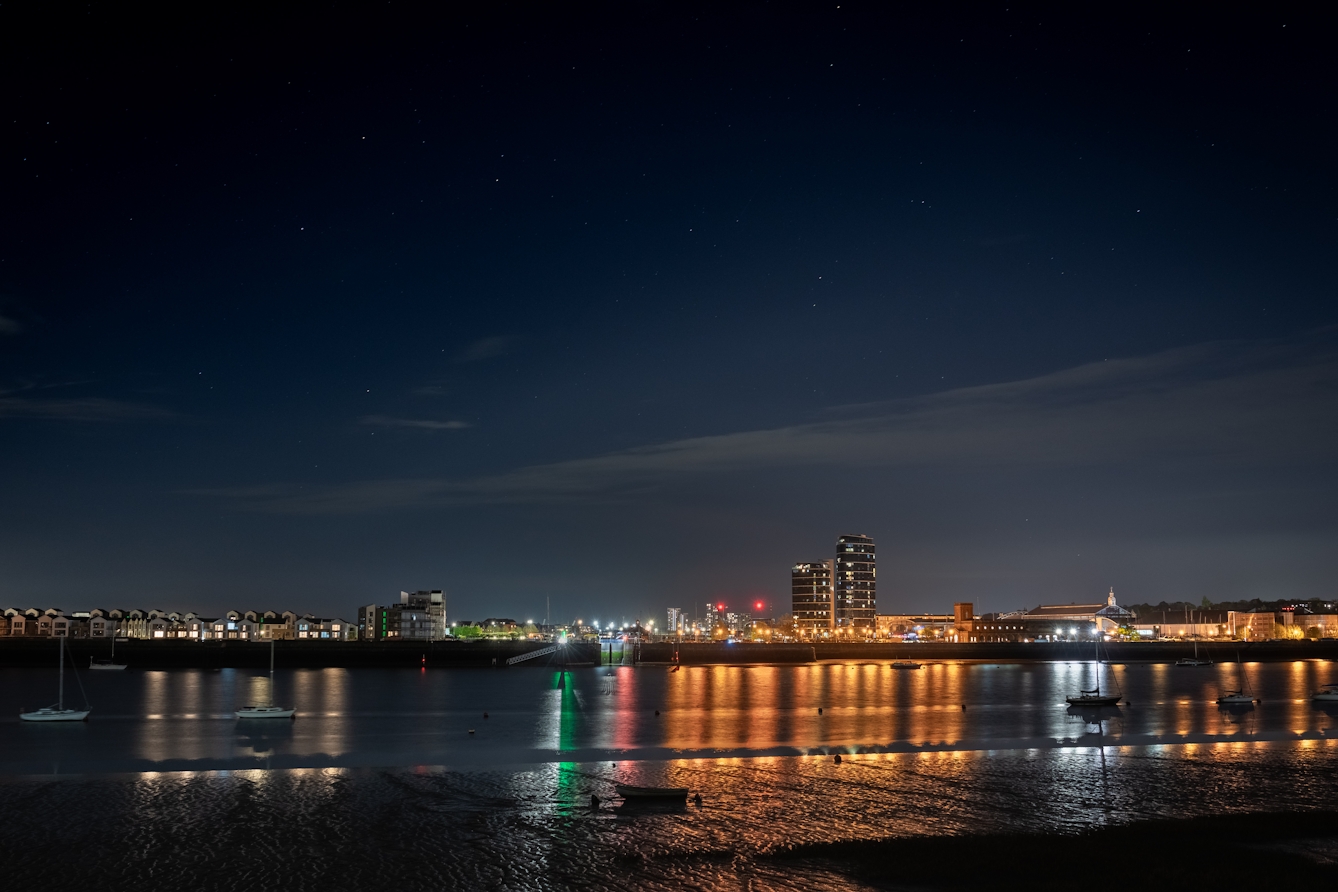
(532, 828)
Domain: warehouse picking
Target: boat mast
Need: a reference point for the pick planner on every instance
(271, 672)
(60, 697)
(1096, 652)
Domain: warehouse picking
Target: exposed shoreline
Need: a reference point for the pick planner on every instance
(1274, 850)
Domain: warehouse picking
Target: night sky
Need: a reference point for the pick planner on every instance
(636, 306)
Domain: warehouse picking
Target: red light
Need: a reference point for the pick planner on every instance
(720, 607)
(759, 605)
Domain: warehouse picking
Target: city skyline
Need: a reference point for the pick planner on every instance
(604, 307)
(766, 445)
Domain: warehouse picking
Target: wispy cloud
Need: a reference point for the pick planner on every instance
(485, 348)
(423, 423)
(1220, 404)
(88, 409)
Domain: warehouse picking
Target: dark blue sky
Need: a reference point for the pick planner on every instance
(636, 306)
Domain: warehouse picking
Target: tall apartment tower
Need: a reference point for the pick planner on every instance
(811, 597)
(856, 585)
(678, 621)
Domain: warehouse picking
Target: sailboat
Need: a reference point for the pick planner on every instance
(57, 713)
(1094, 697)
(1193, 661)
(109, 663)
(1238, 697)
(269, 710)
(1327, 693)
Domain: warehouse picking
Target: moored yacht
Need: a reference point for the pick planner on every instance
(268, 710)
(109, 663)
(1094, 697)
(1235, 698)
(57, 712)
(1327, 693)
(1241, 696)
(1194, 660)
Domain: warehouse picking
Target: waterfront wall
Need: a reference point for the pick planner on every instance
(1153, 652)
(38, 652)
(710, 653)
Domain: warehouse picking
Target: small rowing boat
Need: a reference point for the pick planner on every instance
(630, 792)
(906, 664)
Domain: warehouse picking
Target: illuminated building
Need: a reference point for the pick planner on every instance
(811, 597)
(915, 626)
(419, 616)
(433, 603)
(855, 586)
(738, 623)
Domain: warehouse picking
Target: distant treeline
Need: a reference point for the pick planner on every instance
(1315, 605)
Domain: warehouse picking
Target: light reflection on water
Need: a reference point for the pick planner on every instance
(532, 827)
(183, 719)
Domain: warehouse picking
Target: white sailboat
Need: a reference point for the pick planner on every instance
(269, 710)
(1240, 696)
(1327, 693)
(1094, 697)
(107, 664)
(1192, 661)
(57, 713)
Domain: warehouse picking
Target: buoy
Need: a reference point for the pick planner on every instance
(657, 712)
(697, 800)
(594, 801)
(837, 760)
(819, 710)
(963, 707)
(485, 715)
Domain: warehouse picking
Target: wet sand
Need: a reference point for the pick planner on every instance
(1287, 850)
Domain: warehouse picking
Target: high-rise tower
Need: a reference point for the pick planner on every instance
(855, 585)
(811, 597)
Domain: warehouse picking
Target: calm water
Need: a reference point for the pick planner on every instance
(379, 780)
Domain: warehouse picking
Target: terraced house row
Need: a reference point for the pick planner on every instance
(238, 625)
